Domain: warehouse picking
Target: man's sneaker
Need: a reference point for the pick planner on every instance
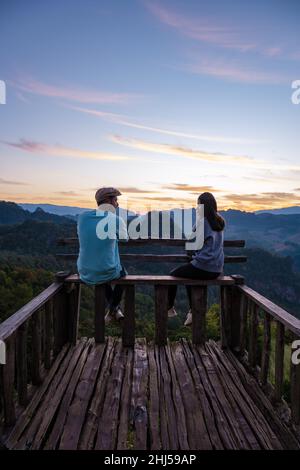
(189, 319)
(118, 314)
(172, 312)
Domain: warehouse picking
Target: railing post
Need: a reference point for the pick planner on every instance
(231, 314)
(74, 295)
(36, 348)
(60, 323)
(295, 389)
(128, 331)
(7, 381)
(100, 313)
(161, 314)
(48, 333)
(22, 373)
(199, 307)
(279, 362)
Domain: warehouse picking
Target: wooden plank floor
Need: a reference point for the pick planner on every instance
(175, 397)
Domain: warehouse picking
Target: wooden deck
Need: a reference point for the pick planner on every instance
(175, 397)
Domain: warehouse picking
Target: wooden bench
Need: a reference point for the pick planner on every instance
(160, 283)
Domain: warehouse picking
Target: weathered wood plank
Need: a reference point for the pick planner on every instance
(108, 420)
(27, 414)
(48, 333)
(100, 313)
(199, 307)
(21, 361)
(51, 442)
(154, 421)
(90, 427)
(122, 442)
(198, 435)
(295, 389)
(208, 410)
(134, 257)
(225, 317)
(244, 324)
(154, 242)
(266, 351)
(7, 381)
(83, 392)
(128, 331)
(253, 335)
(279, 362)
(255, 392)
(162, 280)
(139, 412)
(161, 315)
(253, 425)
(36, 348)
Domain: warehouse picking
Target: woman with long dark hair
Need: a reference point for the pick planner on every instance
(206, 263)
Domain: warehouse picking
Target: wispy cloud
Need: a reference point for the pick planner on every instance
(190, 188)
(234, 72)
(220, 34)
(177, 150)
(68, 193)
(124, 121)
(261, 200)
(13, 183)
(201, 29)
(61, 150)
(72, 93)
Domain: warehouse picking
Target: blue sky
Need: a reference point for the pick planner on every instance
(163, 99)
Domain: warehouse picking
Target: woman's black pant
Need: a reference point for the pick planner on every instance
(114, 295)
(189, 271)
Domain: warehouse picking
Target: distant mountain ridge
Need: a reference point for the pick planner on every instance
(283, 211)
(11, 214)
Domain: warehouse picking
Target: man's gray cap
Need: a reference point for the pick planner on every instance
(104, 193)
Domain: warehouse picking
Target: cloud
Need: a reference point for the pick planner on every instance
(201, 29)
(61, 150)
(71, 93)
(13, 183)
(68, 193)
(180, 151)
(189, 188)
(235, 72)
(262, 200)
(123, 120)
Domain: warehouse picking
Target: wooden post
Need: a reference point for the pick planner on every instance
(225, 317)
(199, 307)
(22, 373)
(295, 389)
(36, 348)
(7, 381)
(60, 315)
(279, 362)
(244, 324)
(100, 313)
(128, 332)
(253, 335)
(48, 333)
(161, 315)
(265, 361)
(74, 295)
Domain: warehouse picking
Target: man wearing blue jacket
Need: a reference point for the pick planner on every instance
(99, 262)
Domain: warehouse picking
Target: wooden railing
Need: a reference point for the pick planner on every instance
(261, 335)
(34, 336)
(153, 257)
(47, 325)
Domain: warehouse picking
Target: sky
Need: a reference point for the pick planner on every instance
(161, 99)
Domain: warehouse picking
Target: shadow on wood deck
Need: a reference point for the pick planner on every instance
(178, 396)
